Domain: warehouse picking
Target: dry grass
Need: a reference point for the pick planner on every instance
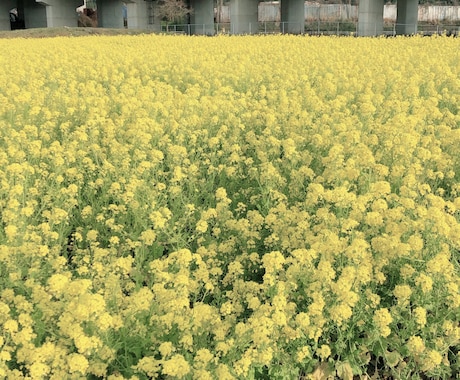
(69, 32)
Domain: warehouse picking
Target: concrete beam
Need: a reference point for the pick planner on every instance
(370, 17)
(293, 16)
(202, 18)
(5, 7)
(244, 16)
(407, 16)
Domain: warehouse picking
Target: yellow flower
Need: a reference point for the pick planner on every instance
(105, 321)
(324, 352)
(187, 341)
(223, 373)
(302, 320)
(221, 194)
(27, 211)
(201, 226)
(382, 318)
(273, 261)
(176, 366)
(440, 264)
(148, 237)
(425, 282)
(158, 219)
(340, 313)
(166, 348)
(431, 360)
(420, 316)
(279, 318)
(77, 363)
(86, 212)
(11, 326)
(309, 199)
(303, 353)
(406, 271)
(241, 367)
(149, 365)
(415, 345)
(204, 356)
(374, 219)
(11, 232)
(5, 356)
(91, 235)
(402, 293)
(114, 240)
(416, 243)
(39, 370)
(380, 188)
(57, 283)
(59, 215)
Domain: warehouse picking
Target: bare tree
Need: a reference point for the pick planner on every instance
(173, 10)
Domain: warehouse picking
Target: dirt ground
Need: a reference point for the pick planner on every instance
(68, 32)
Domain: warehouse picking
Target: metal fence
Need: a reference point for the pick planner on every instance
(315, 27)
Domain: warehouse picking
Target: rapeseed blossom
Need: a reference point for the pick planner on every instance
(382, 319)
(198, 210)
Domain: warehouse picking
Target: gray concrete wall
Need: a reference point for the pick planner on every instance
(293, 16)
(35, 14)
(138, 14)
(370, 18)
(61, 12)
(244, 16)
(110, 13)
(5, 7)
(407, 15)
(202, 18)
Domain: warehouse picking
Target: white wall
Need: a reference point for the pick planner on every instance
(270, 11)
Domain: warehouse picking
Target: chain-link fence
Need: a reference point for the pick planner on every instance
(317, 27)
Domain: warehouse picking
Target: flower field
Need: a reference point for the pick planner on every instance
(270, 207)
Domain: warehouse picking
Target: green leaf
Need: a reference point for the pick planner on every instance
(344, 370)
(392, 358)
(324, 371)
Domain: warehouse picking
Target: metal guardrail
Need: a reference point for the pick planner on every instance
(318, 27)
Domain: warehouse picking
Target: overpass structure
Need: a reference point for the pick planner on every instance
(142, 14)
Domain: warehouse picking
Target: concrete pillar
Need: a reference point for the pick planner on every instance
(370, 17)
(407, 16)
(61, 12)
(202, 18)
(244, 16)
(292, 16)
(138, 14)
(5, 7)
(110, 14)
(35, 14)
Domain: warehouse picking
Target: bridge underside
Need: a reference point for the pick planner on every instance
(55, 13)
(40, 14)
(243, 16)
(143, 14)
